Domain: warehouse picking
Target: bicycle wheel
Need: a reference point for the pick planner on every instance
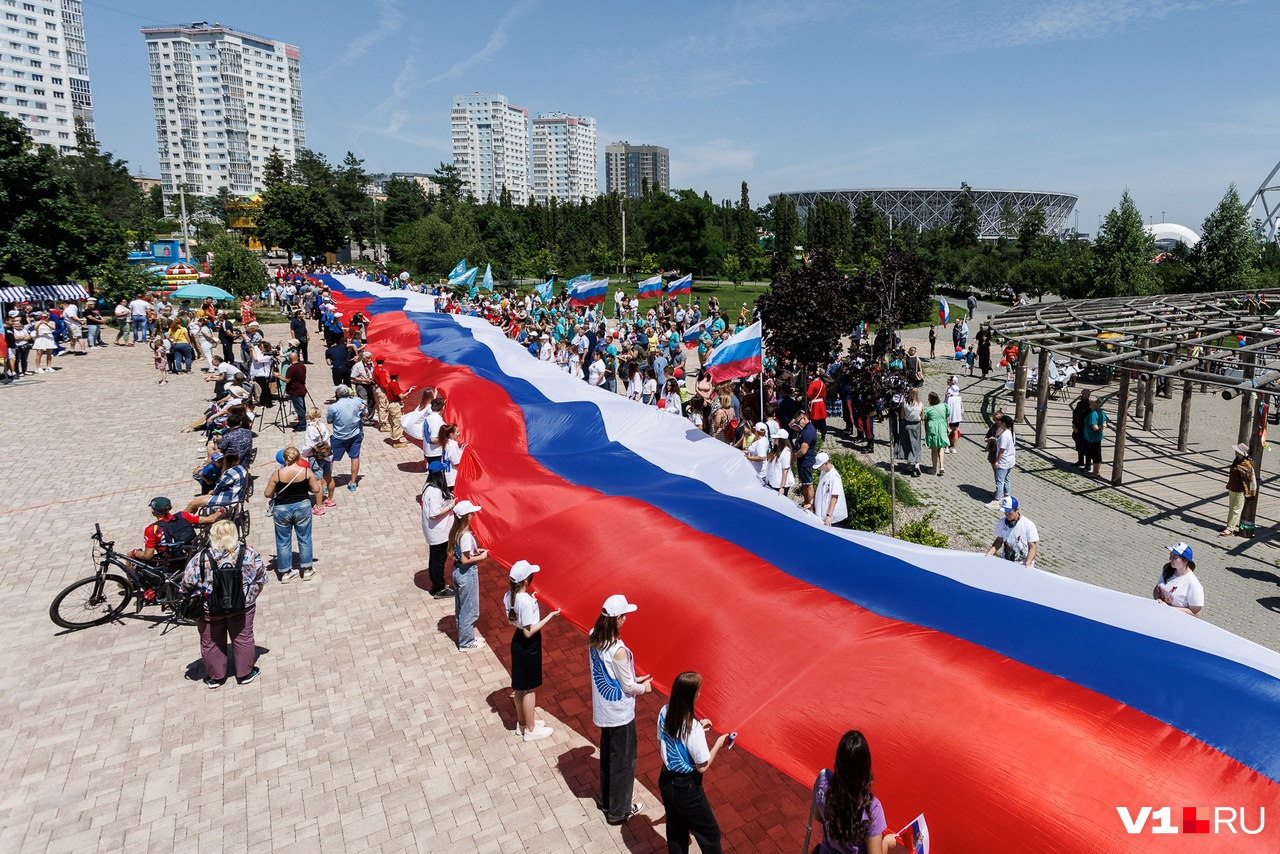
(90, 602)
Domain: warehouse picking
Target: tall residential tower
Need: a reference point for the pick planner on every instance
(491, 146)
(44, 70)
(631, 168)
(223, 99)
(564, 158)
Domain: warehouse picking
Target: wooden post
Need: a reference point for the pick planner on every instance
(1122, 420)
(1246, 400)
(1020, 386)
(1042, 399)
(1149, 404)
(1184, 421)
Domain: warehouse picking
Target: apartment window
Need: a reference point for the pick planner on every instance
(28, 7)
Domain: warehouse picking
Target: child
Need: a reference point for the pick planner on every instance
(160, 344)
(969, 358)
(526, 648)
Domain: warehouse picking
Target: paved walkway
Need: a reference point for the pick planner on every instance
(1115, 537)
(366, 732)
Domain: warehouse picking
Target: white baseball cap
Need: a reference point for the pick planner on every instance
(822, 459)
(464, 507)
(617, 605)
(761, 427)
(521, 570)
(780, 434)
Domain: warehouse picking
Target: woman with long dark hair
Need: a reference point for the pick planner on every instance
(614, 688)
(852, 818)
(437, 520)
(682, 741)
(777, 463)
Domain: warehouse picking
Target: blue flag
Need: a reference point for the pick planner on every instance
(474, 292)
(467, 278)
(460, 269)
(544, 289)
(577, 280)
(487, 282)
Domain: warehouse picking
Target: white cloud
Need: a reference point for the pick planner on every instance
(691, 164)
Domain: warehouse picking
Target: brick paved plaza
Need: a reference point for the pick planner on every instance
(367, 731)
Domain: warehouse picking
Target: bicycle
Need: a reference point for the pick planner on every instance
(102, 597)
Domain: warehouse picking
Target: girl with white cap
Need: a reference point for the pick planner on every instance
(526, 648)
(1178, 586)
(466, 575)
(614, 688)
(777, 465)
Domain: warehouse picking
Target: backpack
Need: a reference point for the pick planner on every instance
(226, 595)
(176, 535)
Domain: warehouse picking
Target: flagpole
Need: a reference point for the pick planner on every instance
(761, 371)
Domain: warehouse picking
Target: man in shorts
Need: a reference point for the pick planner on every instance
(347, 417)
(806, 453)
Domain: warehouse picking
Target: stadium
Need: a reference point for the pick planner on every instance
(926, 209)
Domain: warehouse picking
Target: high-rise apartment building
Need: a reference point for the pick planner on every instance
(44, 70)
(564, 158)
(631, 168)
(223, 99)
(491, 146)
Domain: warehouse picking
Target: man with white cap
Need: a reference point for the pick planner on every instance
(614, 688)
(829, 502)
(758, 450)
(1016, 536)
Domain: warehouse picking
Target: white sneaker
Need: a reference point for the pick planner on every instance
(537, 724)
(537, 733)
(478, 643)
(992, 505)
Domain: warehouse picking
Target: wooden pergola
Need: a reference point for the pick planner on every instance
(1228, 340)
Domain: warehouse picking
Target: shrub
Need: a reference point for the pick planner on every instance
(867, 498)
(920, 531)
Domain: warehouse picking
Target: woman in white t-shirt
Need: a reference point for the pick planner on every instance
(682, 742)
(758, 451)
(955, 412)
(614, 688)
(466, 575)
(524, 616)
(437, 520)
(452, 455)
(1178, 586)
(777, 465)
(321, 464)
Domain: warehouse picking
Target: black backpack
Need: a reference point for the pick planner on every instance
(177, 535)
(227, 583)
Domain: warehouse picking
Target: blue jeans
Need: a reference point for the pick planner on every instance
(183, 356)
(92, 334)
(290, 518)
(139, 328)
(1004, 481)
(300, 409)
(466, 602)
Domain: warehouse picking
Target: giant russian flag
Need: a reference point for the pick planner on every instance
(650, 287)
(1017, 709)
(588, 292)
(742, 355)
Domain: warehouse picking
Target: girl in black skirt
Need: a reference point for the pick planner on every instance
(526, 648)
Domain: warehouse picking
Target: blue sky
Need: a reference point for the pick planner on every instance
(1173, 99)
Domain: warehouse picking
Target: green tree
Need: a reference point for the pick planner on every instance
(450, 182)
(786, 231)
(965, 225)
(301, 219)
(827, 227)
(405, 202)
(274, 169)
(48, 233)
(745, 246)
(894, 292)
(1031, 231)
(235, 268)
(104, 182)
(870, 231)
(115, 278)
(806, 310)
(1227, 256)
(1123, 254)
